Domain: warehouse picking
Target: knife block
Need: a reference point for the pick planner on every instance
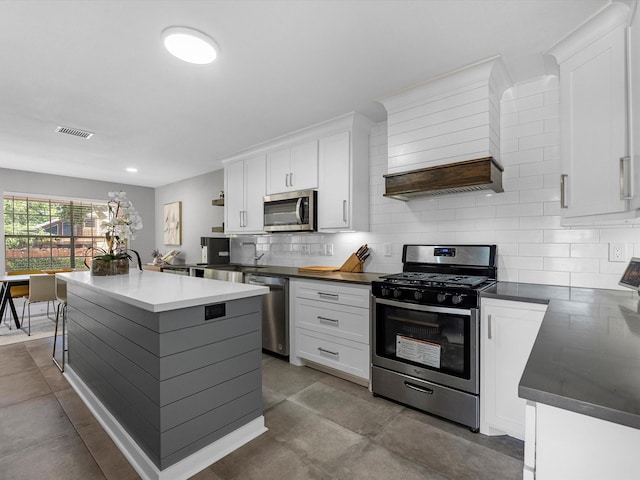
(353, 264)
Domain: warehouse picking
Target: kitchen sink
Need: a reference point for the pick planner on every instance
(229, 273)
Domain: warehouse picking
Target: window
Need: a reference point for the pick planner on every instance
(44, 233)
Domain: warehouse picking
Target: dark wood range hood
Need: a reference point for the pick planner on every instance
(470, 175)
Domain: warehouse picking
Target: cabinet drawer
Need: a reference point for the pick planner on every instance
(351, 323)
(334, 292)
(343, 355)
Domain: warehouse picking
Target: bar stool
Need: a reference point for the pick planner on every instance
(61, 297)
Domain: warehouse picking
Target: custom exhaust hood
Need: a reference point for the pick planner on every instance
(444, 134)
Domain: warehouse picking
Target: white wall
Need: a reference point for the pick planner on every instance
(198, 215)
(39, 184)
(523, 221)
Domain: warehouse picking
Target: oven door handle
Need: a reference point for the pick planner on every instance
(422, 308)
(418, 389)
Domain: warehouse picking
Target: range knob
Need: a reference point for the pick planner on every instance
(456, 299)
(397, 293)
(441, 297)
(384, 292)
(417, 295)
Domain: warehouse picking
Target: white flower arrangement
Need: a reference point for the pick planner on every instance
(122, 225)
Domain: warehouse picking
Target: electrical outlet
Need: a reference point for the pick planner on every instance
(306, 250)
(386, 249)
(617, 252)
(328, 249)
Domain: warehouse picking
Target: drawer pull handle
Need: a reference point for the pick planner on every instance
(328, 295)
(428, 391)
(489, 333)
(329, 352)
(329, 320)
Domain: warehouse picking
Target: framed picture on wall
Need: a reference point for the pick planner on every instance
(173, 223)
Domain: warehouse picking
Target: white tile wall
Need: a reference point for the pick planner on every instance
(523, 221)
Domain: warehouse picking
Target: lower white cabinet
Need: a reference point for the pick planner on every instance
(508, 330)
(561, 444)
(330, 322)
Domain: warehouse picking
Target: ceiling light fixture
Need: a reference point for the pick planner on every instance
(132, 169)
(190, 45)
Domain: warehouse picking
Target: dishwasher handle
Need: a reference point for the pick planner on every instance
(265, 281)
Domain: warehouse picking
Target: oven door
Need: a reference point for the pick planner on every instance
(436, 344)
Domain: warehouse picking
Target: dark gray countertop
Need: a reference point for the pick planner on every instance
(586, 357)
(361, 278)
(292, 272)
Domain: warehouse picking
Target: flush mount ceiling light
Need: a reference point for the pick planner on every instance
(131, 169)
(190, 45)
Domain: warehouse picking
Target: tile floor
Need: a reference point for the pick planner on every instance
(320, 427)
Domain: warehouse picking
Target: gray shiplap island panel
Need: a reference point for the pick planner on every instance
(173, 380)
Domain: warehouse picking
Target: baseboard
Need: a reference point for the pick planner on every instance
(181, 470)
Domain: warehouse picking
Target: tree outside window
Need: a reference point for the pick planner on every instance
(43, 234)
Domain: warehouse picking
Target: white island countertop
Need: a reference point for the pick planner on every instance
(160, 292)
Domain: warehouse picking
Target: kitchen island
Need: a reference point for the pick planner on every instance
(169, 365)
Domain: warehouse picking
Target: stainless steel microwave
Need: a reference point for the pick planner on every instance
(291, 212)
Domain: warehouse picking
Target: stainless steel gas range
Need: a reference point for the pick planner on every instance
(426, 330)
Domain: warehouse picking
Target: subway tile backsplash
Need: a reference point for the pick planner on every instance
(524, 221)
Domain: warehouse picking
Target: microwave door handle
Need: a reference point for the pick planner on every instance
(299, 211)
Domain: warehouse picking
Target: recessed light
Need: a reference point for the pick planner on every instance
(132, 169)
(190, 45)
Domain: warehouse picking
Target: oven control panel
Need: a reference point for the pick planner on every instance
(446, 297)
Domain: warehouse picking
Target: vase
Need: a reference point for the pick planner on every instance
(101, 268)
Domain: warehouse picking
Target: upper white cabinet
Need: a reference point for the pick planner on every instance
(597, 184)
(244, 186)
(343, 183)
(508, 331)
(331, 157)
(293, 168)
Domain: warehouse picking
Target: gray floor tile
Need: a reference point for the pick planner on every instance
(15, 359)
(206, 474)
(18, 387)
(315, 439)
(266, 458)
(373, 462)
(63, 457)
(112, 462)
(31, 422)
(365, 417)
(450, 455)
(270, 398)
(53, 377)
(41, 350)
(503, 444)
(285, 379)
(75, 408)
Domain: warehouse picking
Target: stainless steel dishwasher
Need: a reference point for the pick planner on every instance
(275, 312)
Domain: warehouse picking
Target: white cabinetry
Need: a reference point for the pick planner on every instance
(343, 188)
(244, 186)
(508, 331)
(331, 324)
(597, 179)
(561, 444)
(293, 168)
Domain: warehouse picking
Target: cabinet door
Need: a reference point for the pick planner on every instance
(254, 184)
(234, 197)
(592, 86)
(334, 209)
(304, 166)
(278, 171)
(508, 333)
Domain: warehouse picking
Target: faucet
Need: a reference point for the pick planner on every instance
(256, 257)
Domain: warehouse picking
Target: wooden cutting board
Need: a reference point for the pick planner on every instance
(318, 269)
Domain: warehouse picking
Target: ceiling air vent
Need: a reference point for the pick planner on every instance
(74, 131)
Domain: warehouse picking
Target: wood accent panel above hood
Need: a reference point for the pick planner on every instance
(470, 175)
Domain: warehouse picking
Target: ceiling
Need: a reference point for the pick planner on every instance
(283, 65)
